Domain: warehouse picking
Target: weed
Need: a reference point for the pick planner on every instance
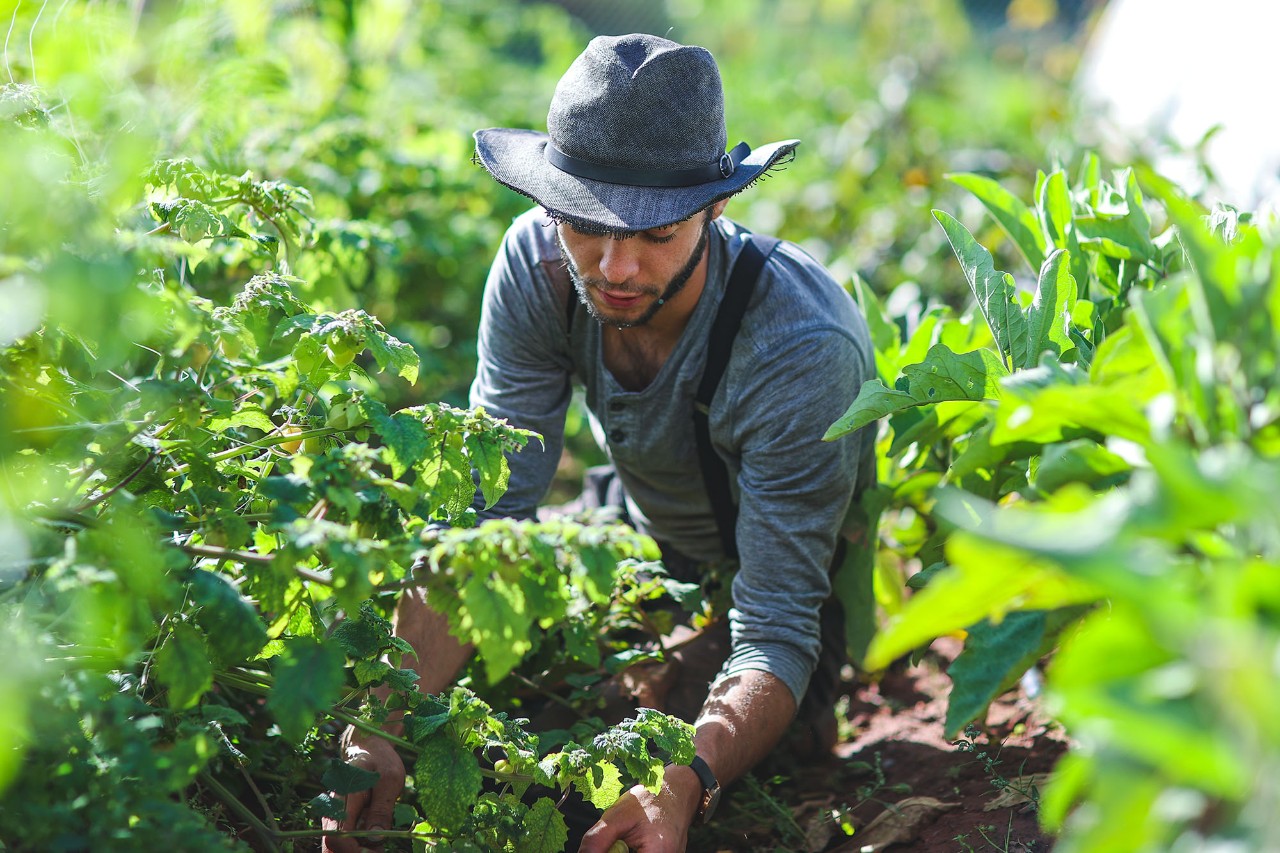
(990, 763)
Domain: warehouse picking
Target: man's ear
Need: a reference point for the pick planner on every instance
(718, 208)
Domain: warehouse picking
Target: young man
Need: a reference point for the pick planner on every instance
(615, 282)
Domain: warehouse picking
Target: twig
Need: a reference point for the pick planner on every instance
(228, 799)
(226, 554)
(102, 496)
(356, 833)
(560, 700)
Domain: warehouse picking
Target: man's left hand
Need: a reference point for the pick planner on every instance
(648, 822)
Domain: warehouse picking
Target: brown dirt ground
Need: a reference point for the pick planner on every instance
(932, 798)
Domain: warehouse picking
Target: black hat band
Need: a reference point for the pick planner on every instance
(648, 177)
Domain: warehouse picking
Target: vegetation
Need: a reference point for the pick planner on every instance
(240, 258)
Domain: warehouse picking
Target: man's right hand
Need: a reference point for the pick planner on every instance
(371, 809)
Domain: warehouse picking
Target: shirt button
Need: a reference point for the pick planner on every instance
(617, 407)
(617, 436)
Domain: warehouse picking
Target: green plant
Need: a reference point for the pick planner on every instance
(1026, 789)
(211, 515)
(1106, 438)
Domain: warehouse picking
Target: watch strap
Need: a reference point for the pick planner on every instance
(710, 788)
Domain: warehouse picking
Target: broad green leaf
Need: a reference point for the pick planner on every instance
(1050, 414)
(1079, 461)
(1107, 675)
(491, 464)
(308, 678)
(1014, 216)
(446, 477)
(993, 651)
(447, 779)
(601, 785)
(670, 734)
(985, 580)
(995, 292)
(343, 778)
(944, 376)
(235, 632)
(1049, 317)
(543, 829)
(182, 665)
(250, 416)
(365, 634)
(1115, 238)
(404, 436)
(1057, 222)
(394, 355)
(496, 621)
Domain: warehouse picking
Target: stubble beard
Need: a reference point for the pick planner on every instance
(677, 283)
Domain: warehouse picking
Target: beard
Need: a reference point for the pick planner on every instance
(677, 283)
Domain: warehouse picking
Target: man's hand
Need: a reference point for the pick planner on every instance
(647, 822)
(371, 809)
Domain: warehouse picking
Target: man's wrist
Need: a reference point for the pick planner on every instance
(686, 788)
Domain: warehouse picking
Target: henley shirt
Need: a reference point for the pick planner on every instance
(799, 358)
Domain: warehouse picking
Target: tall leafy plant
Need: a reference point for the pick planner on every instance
(1095, 469)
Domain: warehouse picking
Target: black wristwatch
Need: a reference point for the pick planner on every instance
(710, 790)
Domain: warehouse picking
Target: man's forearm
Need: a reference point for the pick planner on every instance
(438, 654)
(741, 721)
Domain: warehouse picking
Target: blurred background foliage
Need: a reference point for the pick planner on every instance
(370, 106)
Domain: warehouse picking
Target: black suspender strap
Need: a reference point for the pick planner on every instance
(715, 475)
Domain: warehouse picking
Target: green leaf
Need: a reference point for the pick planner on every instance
(404, 436)
(230, 622)
(993, 652)
(182, 665)
(994, 290)
(1015, 217)
(363, 635)
(250, 416)
(343, 778)
(543, 828)
(1058, 223)
(602, 785)
(447, 779)
(497, 622)
(1049, 316)
(491, 464)
(308, 678)
(394, 355)
(943, 376)
(1079, 461)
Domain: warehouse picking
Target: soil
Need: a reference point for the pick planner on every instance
(896, 781)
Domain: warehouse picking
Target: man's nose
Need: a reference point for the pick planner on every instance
(619, 261)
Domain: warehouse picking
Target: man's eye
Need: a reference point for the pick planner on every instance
(661, 235)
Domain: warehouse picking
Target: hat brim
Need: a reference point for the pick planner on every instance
(515, 159)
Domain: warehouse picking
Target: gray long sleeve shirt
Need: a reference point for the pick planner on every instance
(798, 361)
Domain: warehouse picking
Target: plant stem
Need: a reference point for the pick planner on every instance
(228, 799)
(356, 833)
(261, 444)
(226, 554)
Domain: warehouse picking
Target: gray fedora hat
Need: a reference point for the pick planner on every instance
(636, 139)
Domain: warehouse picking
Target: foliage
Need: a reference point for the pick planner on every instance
(209, 507)
(1089, 458)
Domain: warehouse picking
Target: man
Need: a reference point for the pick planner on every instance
(615, 281)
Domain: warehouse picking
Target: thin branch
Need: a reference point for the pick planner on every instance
(357, 833)
(102, 496)
(544, 692)
(226, 554)
(242, 811)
